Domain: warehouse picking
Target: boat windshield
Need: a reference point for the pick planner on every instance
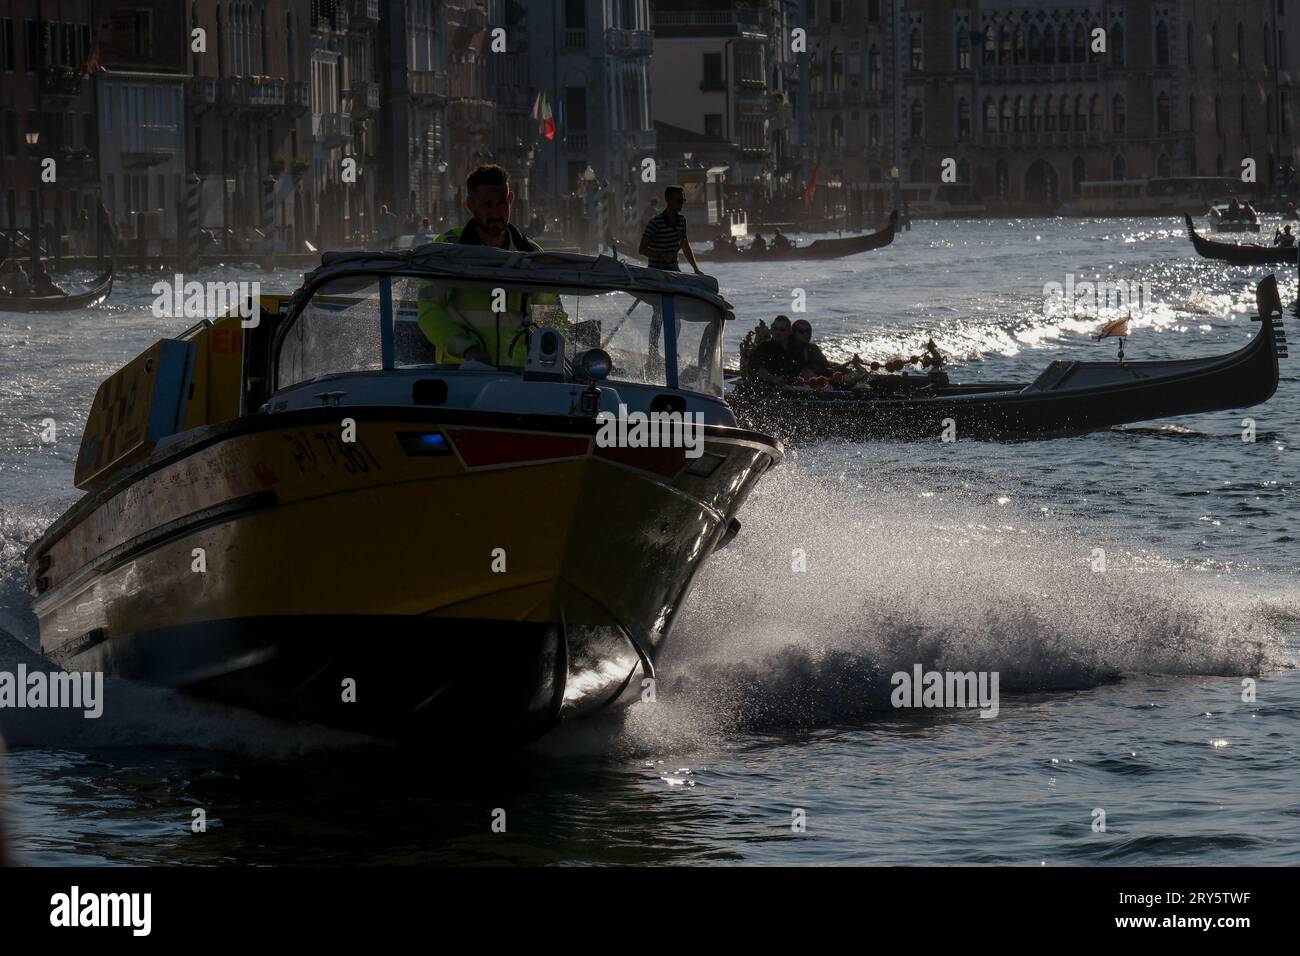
(368, 322)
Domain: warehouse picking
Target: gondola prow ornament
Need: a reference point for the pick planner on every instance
(1117, 328)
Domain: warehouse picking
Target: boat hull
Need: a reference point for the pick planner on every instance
(520, 576)
(1240, 253)
(96, 295)
(1071, 397)
(818, 249)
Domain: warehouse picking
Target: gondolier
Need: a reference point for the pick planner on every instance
(460, 322)
(665, 235)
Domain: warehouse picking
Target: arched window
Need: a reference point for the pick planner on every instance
(990, 115)
(1034, 51)
(1080, 117)
(837, 131)
(1080, 43)
(1049, 114)
(1241, 45)
(990, 46)
(837, 69)
(873, 130)
(1018, 52)
(963, 171)
(873, 69)
(1004, 123)
(1020, 114)
(1004, 42)
(1063, 44)
(1117, 113)
(1095, 119)
(1119, 168)
(963, 49)
(1078, 173)
(917, 120)
(1162, 113)
(915, 44)
(1049, 45)
(816, 80)
(1218, 165)
(1162, 166)
(1162, 43)
(915, 171)
(1115, 43)
(963, 118)
(1035, 121)
(1065, 114)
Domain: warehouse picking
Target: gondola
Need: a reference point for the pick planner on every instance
(817, 249)
(1068, 397)
(1242, 254)
(96, 294)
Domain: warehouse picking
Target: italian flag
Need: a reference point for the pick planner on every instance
(542, 113)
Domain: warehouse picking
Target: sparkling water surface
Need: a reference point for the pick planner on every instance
(1119, 691)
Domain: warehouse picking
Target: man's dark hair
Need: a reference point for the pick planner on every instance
(489, 174)
(671, 191)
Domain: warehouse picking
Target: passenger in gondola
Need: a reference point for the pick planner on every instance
(17, 282)
(807, 356)
(759, 244)
(1234, 211)
(1284, 238)
(42, 284)
(780, 242)
(772, 362)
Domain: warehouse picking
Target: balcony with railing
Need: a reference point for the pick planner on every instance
(427, 84)
(576, 141)
(363, 98)
(629, 42)
(201, 93)
(252, 93)
(60, 81)
(575, 39)
(333, 129)
(297, 96)
(363, 14)
(1037, 73)
(684, 23)
(150, 145)
(1043, 138)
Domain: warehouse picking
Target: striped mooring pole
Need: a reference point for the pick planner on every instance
(268, 208)
(190, 248)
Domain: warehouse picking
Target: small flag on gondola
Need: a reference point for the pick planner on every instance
(1118, 327)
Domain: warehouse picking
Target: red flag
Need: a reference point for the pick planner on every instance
(548, 121)
(92, 62)
(812, 186)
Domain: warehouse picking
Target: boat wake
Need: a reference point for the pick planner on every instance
(900, 576)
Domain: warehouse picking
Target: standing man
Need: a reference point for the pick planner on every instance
(665, 235)
(387, 228)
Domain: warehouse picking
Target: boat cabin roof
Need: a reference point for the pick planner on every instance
(489, 264)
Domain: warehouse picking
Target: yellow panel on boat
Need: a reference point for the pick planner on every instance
(136, 407)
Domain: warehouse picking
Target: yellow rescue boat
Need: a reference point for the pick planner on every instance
(298, 508)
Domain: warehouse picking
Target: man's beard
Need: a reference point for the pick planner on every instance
(492, 227)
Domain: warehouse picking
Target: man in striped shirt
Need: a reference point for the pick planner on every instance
(665, 235)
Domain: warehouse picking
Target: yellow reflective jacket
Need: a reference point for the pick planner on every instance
(456, 319)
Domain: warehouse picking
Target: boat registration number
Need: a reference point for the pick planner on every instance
(324, 451)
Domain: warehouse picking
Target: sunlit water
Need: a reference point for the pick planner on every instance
(1120, 691)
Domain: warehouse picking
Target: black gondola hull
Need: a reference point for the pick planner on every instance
(95, 295)
(1070, 397)
(1240, 253)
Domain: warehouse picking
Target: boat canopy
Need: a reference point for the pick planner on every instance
(372, 312)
